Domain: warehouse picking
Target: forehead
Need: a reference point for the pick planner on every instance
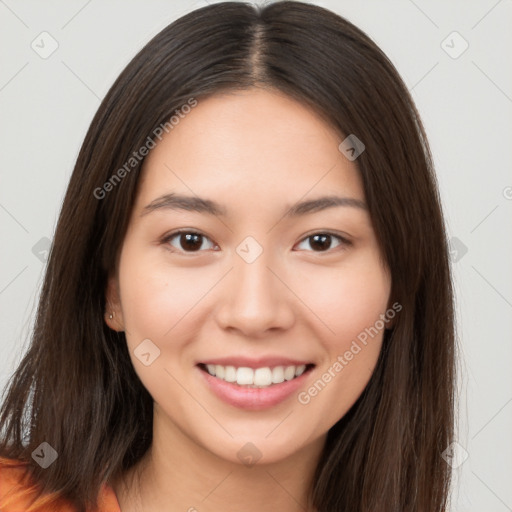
(248, 147)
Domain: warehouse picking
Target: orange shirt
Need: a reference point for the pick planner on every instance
(11, 481)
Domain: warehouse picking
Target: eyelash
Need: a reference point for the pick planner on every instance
(167, 238)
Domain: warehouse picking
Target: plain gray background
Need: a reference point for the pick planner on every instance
(464, 96)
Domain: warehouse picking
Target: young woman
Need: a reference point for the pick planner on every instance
(248, 301)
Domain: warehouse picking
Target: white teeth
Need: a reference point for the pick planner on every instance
(244, 376)
(278, 375)
(263, 377)
(289, 372)
(300, 370)
(259, 377)
(219, 371)
(230, 374)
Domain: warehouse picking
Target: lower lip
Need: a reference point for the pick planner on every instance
(254, 399)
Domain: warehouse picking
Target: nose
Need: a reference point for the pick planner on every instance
(255, 299)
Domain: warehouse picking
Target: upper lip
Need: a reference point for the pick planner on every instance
(261, 362)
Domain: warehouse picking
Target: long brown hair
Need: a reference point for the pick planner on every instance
(76, 388)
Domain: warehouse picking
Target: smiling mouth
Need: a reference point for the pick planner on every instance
(263, 377)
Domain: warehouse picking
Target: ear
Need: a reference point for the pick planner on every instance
(390, 323)
(391, 317)
(113, 306)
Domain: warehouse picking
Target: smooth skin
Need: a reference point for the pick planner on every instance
(256, 152)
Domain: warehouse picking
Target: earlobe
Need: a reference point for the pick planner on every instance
(112, 321)
(390, 324)
(390, 316)
(113, 314)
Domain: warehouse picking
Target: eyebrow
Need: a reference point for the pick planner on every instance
(200, 205)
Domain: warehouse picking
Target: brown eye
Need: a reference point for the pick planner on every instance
(187, 241)
(322, 242)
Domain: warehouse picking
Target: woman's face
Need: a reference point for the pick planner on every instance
(256, 284)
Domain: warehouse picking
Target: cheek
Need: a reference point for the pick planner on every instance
(350, 299)
(350, 304)
(158, 304)
(157, 298)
